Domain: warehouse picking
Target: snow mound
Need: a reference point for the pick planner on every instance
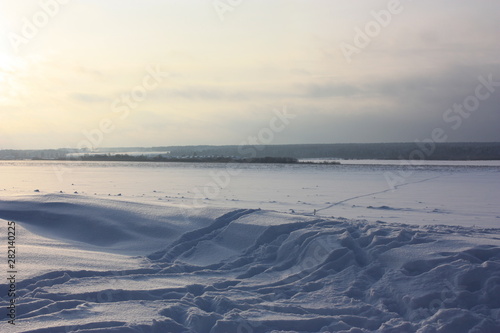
(247, 270)
(108, 225)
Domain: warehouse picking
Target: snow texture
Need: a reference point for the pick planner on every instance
(251, 270)
(110, 247)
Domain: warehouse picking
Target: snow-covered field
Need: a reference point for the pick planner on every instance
(155, 247)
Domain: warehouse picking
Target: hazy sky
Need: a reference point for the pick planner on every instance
(153, 73)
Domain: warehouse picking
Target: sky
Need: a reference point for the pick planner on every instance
(130, 73)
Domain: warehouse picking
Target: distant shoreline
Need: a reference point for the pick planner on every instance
(410, 151)
(216, 159)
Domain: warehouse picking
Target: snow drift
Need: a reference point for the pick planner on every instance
(251, 270)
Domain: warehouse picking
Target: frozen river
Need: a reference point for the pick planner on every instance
(168, 247)
(458, 193)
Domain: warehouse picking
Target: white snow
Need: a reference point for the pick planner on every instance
(139, 250)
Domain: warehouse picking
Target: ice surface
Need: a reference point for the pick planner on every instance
(116, 226)
(243, 261)
(455, 195)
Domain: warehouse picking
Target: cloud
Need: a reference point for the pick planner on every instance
(226, 77)
(220, 93)
(90, 98)
(315, 90)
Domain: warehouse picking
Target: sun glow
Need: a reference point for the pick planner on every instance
(6, 72)
(6, 61)
(11, 71)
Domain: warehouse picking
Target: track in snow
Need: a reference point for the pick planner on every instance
(262, 271)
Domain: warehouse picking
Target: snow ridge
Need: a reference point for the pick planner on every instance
(251, 270)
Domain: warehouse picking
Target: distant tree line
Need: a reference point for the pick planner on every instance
(377, 151)
(159, 158)
(389, 151)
